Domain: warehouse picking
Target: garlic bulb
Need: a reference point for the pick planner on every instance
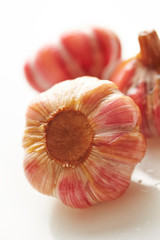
(77, 53)
(82, 142)
(139, 78)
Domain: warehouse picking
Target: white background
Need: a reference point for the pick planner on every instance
(24, 213)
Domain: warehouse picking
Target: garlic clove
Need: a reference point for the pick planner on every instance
(47, 65)
(93, 97)
(40, 171)
(108, 179)
(72, 188)
(110, 48)
(79, 46)
(123, 74)
(127, 149)
(114, 117)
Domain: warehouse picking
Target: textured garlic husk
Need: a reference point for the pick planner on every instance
(90, 52)
(82, 142)
(139, 78)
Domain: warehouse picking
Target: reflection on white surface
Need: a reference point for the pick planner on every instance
(132, 216)
(135, 215)
(151, 164)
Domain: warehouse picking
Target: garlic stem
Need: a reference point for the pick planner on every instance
(150, 48)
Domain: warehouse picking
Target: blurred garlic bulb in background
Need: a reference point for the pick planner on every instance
(78, 53)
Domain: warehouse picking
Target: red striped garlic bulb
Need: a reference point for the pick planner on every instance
(82, 142)
(77, 54)
(139, 78)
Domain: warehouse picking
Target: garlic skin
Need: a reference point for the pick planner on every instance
(82, 142)
(139, 78)
(78, 53)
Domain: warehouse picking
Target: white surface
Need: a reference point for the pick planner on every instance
(24, 213)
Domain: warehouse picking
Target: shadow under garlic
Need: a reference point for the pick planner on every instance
(132, 216)
(135, 211)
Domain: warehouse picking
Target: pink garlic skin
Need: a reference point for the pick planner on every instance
(93, 53)
(139, 78)
(142, 84)
(116, 148)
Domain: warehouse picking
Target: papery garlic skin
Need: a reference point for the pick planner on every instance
(101, 127)
(139, 78)
(78, 53)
